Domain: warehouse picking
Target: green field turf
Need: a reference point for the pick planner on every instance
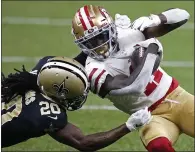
(42, 40)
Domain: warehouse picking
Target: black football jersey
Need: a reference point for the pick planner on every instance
(40, 64)
(32, 115)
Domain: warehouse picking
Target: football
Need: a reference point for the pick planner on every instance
(138, 55)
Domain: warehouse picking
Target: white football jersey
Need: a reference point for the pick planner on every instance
(119, 64)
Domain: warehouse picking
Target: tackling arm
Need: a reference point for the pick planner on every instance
(73, 136)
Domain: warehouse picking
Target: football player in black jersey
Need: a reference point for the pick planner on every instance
(35, 105)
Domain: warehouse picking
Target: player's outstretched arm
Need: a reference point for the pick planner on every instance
(73, 136)
(161, 24)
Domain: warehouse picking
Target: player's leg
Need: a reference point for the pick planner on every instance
(159, 135)
(178, 108)
(186, 115)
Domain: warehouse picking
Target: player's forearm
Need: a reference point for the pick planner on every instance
(142, 74)
(98, 141)
(137, 81)
(169, 20)
(73, 136)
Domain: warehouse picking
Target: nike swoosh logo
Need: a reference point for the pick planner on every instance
(55, 118)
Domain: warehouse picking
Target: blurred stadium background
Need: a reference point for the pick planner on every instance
(34, 29)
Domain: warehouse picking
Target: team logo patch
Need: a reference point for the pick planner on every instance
(61, 89)
(90, 30)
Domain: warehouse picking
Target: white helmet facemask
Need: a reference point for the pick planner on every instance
(99, 43)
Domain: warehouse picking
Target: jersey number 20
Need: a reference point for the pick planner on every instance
(48, 108)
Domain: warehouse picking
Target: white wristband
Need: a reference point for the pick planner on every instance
(130, 127)
(176, 15)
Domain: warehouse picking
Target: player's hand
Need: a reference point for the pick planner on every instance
(138, 119)
(145, 22)
(147, 42)
(122, 21)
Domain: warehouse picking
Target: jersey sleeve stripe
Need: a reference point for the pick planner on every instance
(97, 79)
(92, 73)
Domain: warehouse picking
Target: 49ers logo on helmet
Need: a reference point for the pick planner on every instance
(90, 30)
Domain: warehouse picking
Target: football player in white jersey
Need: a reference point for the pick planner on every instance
(109, 46)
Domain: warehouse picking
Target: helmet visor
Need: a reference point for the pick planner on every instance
(97, 41)
(100, 43)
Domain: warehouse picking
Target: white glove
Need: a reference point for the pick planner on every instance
(147, 42)
(138, 119)
(122, 21)
(145, 22)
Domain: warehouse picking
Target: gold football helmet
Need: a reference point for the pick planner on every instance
(94, 31)
(64, 80)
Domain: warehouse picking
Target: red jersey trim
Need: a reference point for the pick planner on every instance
(92, 73)
(173, 86)
(97, 79)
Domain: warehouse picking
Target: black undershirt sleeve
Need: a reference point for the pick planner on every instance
(81, 58)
